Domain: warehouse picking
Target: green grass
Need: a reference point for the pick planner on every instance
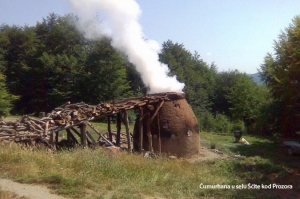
(97, 173)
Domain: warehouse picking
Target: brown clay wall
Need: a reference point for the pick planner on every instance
(178, 128)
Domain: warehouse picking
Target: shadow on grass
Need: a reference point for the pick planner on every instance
(267, 150)
(266, 162)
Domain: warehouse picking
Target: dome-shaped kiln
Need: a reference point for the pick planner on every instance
(174, 129)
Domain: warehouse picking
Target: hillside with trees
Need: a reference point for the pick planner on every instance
(50, 63)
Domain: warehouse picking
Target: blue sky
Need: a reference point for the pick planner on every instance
(235, 34)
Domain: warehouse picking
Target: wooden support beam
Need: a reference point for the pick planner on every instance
(83, 135)
(79, 135)
(140, 130)
(69, 139)
(65, 127)
(56, 137)
(156, 111)
(93, 141)
(46, 128)
(127, 130)
(71, 136)
(118, 129)
(92, 127)
(109, 129)
(149, 136)
(158, 136)
(51, 140)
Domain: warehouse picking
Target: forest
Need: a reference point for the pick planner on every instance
(46, 65)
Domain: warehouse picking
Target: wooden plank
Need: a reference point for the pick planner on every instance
(109, 129)
(149, 136)
(118, 129)
(127, 130)
(140, 130)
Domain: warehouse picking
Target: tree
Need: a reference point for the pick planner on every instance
(281, 74)
(238, 97)
(51, 63)
(191, 70)
(104, 77)
(18, 49)
(6, 98)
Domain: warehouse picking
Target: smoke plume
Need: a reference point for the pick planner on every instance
(119, 20)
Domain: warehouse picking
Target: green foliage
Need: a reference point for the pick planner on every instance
(51, 63)
(6, 99)
(281, 73)
(218, 123)
(238, 125)
(193, 71)
(238, 97)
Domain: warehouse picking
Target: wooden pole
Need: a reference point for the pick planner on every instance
(68, 135)
(103, 137)
(127, 130)
(46, 128)
(56, 137)
(156, 111)
(109, 128)
(140, 130)
(83, 135)
(79, 134)
(148, 119)
(118, 129)
(93, 141)
(71, 136)
(51, 140)
(158, 137)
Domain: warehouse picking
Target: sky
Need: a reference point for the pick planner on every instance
(232, 34)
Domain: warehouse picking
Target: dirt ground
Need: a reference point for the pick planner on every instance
(26, 190)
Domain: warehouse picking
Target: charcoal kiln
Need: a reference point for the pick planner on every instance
(173, 130)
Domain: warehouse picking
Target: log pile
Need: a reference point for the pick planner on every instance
(24, 130)
(67, 116)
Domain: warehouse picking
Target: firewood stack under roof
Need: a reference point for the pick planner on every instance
(30, 129)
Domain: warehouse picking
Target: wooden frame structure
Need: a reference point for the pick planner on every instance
(68, 116)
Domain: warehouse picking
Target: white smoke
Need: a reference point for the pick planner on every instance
(119, 20)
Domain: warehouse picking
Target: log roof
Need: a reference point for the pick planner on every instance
(69, 115)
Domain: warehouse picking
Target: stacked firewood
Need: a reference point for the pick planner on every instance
(25, 129)
(67, 115)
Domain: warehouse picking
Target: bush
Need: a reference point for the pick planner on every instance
(238, 125)
(219, 123)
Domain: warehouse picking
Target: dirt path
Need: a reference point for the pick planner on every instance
(29, 191)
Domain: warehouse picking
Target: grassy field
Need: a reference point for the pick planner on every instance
(97, 173)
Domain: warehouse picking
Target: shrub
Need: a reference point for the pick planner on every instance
(219, 123)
